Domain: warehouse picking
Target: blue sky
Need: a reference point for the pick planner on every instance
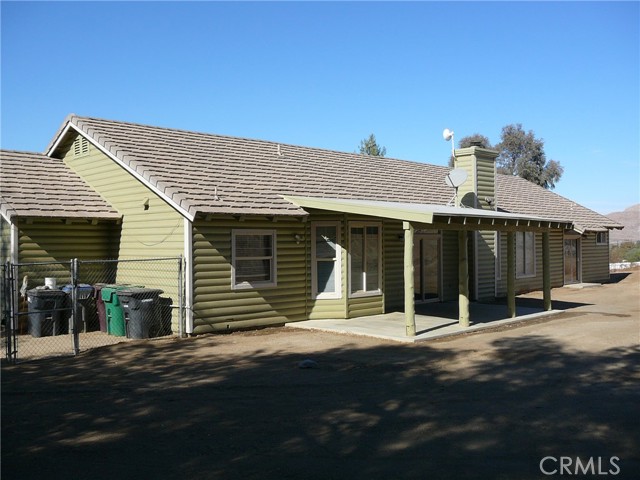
(327, 75)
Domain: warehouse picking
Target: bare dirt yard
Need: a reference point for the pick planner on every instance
(560, 394)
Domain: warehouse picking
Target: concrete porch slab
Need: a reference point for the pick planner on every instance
(436, 320)
(583, 285)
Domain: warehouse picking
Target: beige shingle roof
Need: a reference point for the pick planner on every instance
(214, 174)
(34, 185)
(521, 196)
(249, 176)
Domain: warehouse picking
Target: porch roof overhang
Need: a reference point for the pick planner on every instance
(441, 216)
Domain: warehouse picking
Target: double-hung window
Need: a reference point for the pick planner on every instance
(525, 254)
(602, 238)
(365, 266)
(253, 259)
(326, 260)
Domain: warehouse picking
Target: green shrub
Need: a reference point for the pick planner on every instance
(625, 252)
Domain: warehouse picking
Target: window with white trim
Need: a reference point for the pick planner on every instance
(326, 265)
(365, 272)
(525, 254)
(602, 238)
(253, 263)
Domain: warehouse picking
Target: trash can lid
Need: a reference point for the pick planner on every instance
(45, 292)
(139, 292)
(81, 286)
(108, 291)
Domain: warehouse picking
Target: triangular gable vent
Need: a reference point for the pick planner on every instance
(80, 145)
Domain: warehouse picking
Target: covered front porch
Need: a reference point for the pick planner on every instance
(432, 321)
(463, 221)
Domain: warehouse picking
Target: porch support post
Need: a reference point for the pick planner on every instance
(511, 274)
(546, 271)
(409, 297)
(463, 279)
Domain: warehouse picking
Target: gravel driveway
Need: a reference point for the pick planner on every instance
(558, 395)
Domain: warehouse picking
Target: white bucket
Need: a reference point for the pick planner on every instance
(49, 282)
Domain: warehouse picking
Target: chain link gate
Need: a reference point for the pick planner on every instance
(51, 309)
(6, 307)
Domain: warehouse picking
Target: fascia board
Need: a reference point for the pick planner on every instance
(361, 209)
(6, 216)
(56, 142)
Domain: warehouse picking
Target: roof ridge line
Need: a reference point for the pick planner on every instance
(249, 139)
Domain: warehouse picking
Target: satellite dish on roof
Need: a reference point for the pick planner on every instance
(455, 178)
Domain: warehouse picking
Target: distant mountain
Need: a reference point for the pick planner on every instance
(630, 218)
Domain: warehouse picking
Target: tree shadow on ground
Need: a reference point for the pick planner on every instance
(181, 409)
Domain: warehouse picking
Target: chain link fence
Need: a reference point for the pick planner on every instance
(62, 308)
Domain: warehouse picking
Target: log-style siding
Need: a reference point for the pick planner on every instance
(478, 191)
(150, 227)
(485, 265)
(363, 306)
(5, 241)
(467, 191)
(485, 249)
(54, 240)
(594, 259)
(486, 182)
(449, 265)
(393, 248)
(528, 284)
(217, 306)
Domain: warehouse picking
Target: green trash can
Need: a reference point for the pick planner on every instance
(113, 309)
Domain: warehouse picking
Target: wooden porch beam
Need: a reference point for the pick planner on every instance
(546, 271)
(409, 294)
(511, 274)
(463, 279)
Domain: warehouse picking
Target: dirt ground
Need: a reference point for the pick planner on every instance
(238, 406)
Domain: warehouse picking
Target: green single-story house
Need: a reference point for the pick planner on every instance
(273, 233)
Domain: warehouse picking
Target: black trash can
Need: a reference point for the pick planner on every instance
(141, 309)
(86, 310)
(166, 314)
(46, 311)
